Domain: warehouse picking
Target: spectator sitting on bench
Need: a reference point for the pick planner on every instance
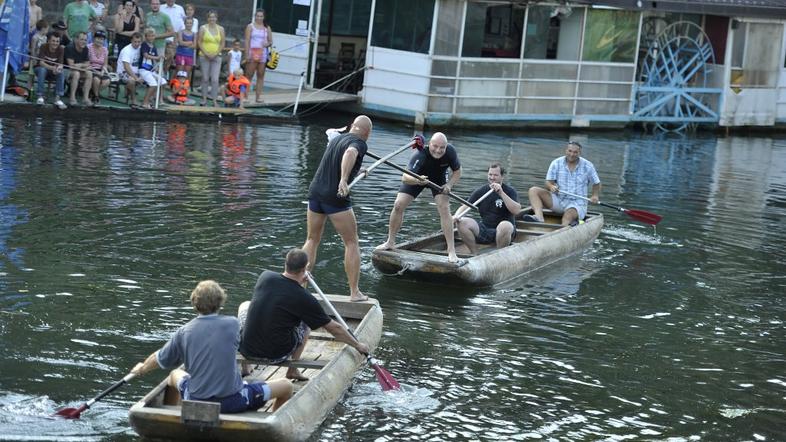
(78, 61)
(148, 62)
(128, 67)
(180, 86)
(236, 89)
(99, 61)
(50, 67)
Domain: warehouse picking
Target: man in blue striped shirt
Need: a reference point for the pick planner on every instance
(572, 174)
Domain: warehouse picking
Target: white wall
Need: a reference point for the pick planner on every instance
(293, 61)
(396, 79)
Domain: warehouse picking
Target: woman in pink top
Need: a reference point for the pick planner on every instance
(259, 38)
(98, 57)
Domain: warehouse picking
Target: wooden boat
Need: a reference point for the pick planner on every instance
(536, 245)
(330, 366)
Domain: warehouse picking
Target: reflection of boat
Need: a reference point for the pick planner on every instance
(329, 364)
(536, 245)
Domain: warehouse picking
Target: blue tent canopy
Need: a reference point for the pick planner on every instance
(14, 32)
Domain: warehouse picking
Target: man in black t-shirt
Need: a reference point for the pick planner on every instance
(328, 198)
(497, 212)
(276, 323)
(78, 61)
(432, 164)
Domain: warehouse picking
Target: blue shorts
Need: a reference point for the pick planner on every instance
(488, 235)
(317, 206)
(251, 397)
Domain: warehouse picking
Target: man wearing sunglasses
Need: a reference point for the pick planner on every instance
(572, 174)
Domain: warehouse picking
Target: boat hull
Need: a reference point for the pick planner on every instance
(495, 265)
(294, 421)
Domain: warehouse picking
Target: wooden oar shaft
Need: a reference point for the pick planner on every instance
(461, 215)
(380, 161)
(429, 183)
(599, 202)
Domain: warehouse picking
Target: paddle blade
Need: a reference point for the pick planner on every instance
(385, 379)
(644, 216)
(71, 413)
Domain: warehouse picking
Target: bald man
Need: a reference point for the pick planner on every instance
(328, 198)
(431, 164)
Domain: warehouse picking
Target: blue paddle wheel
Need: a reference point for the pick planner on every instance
(673, 92)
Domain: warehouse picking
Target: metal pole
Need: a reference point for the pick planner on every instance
(158, 86)
(253, 13)
(315, 43)
(299, 89)
(5, 73)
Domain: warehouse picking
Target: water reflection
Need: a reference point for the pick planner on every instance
(674, 333)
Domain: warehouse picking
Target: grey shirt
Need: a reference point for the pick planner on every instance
(207, 346)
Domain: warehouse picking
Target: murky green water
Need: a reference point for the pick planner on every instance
(106, 226)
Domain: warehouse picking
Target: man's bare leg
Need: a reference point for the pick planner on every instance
(569, 216)
(346, 226)
(504, 234)
(468, 230)
(538, 198)
(292, 372)
(280, 390)
(396, 219)
(443, 207)
(315, 226)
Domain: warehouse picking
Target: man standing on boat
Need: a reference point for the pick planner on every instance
(277, 321)
(207, 346)
(431, 164)
(572, 174)
(328, 198)
(497, 209)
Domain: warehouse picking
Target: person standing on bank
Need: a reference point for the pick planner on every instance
(259, 39)
(328, 198)
(432, 164)
(206, 347)
(570, 173)
(497, 212)
(276, 323)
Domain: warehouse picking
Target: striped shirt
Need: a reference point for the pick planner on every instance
(575, 181)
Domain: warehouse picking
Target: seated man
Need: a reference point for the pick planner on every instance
(128, 67)
(236, 89)
(276, 322)
(207, 348)
(50, 67)
(497, 212)
(77, 59)
(572, 174)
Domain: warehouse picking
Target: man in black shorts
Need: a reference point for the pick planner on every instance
(431, 164)
(328, 197)
(497, 212)
(276, 323)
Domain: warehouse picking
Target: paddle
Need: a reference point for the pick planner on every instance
(385, 379)
(429, 183)
(458, 215)
(376, 164)
(638, 215)
(73, 413)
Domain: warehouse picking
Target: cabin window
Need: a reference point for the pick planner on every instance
(404, 25)
(611, 36)
(345, 17)
(553, 33)
(754, 55)
(448, 35)
(493, 30)
(283, 15)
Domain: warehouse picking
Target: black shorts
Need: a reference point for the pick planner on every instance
(414, 190)
(488, 235)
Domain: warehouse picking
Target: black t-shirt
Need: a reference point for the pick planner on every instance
(71, 52)
(422, 163)
(324, 186)
(493, 209)
(277, 308)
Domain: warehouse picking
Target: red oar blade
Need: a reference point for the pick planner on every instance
(644, 216)
(71, 413)
(385, 379)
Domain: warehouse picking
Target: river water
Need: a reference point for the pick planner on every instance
(675, 334)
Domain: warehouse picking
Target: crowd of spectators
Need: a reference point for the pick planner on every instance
(157, 49)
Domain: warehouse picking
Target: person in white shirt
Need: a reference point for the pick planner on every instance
(128, 66)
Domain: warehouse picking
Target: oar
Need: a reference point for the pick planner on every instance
(464, 212)
(638, 215)
(380, 161)
(429, 183)
(73, 413)
(386, 380)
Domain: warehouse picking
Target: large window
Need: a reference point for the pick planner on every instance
(611, 36)
(403, 25)
(448, 31)
(283, 15)
(493, 30)
(755, 54)
(553, 33)
(345, 17)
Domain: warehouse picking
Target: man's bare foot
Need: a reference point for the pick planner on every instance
(452, 257)
(385, 246)
(294, 374)
(358, 297)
